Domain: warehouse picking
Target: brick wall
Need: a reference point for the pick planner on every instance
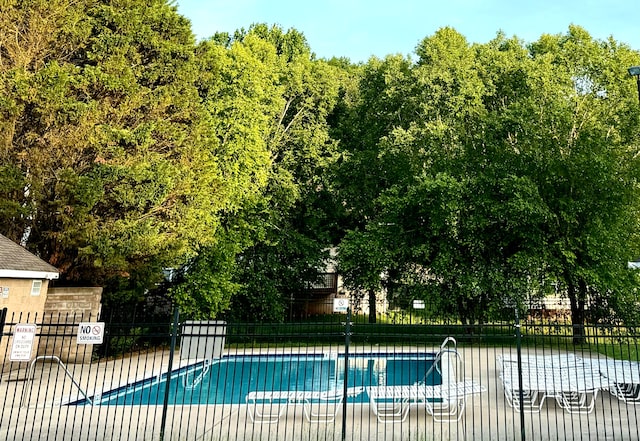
(63, 310)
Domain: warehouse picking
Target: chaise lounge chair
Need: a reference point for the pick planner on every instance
(319, 406)
(623, 377)
(445, 402)
(572, 382)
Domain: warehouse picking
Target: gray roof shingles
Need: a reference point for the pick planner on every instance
(15, 257)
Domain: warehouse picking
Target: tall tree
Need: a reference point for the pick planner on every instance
(291, 252)
(286, 95)
(579, 133)
(112, 172)
(240, 87)
(379, 101)
(515, 169)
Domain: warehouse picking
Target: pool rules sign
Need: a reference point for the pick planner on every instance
(90, 333)
(22, 346)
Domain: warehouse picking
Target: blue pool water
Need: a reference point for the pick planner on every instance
(229, 379)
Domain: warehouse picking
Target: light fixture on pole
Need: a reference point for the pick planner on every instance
(635, 72)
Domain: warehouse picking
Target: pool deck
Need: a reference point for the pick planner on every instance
(487, 416)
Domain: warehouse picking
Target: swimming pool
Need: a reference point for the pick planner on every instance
(229, 379)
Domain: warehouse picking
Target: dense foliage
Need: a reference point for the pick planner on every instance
(500, 172)
(472, 175)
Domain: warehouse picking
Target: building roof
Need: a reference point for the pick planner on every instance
(18, 263)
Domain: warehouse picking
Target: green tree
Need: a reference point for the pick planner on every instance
(467, 218)
(269, 85)
(240, 88)
(113, 171)
(377, 99)
(291, 251)
(363, 261)
(579, 133)
(514, 169)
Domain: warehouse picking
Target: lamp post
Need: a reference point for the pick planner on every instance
(635, 72)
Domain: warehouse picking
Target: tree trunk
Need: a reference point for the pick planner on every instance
(372, 306)
(577, 296)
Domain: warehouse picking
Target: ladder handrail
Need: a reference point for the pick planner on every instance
(61, 364)
(448, 340)
(197, 378)
(443, 349)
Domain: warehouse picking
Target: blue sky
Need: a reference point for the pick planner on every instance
(358, 29)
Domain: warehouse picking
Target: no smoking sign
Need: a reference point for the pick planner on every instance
(340, 305)
(90, 333)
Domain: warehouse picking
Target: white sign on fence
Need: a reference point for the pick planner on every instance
(340, 305)
(90, 333)
(23, 337)
(418, 304)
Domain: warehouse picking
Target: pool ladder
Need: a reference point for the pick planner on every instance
(197, 379)
(448, 346)
(23, 399)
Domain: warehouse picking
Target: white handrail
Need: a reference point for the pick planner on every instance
(447, 341)
(61, 364)
(197, 379)
(438, 358)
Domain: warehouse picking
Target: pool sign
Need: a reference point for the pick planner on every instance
(23, 337)
(90, 333)
(340, 305)
(418, 304)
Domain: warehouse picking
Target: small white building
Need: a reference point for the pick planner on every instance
(24, 279)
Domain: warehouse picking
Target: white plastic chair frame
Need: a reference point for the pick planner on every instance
(574, 383)
(445, 402)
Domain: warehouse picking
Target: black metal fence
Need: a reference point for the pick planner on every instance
(334, 377)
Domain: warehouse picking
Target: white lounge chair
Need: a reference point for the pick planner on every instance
(555, 360)
(623, 377)
(529, 399)
(445, 402)
(319, 406)
(573, 382)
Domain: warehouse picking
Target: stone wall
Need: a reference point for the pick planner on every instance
(63, 310)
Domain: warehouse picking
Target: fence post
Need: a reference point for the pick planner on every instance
(3, 318)
(165, 404)
(345, 386)
(519, 354)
